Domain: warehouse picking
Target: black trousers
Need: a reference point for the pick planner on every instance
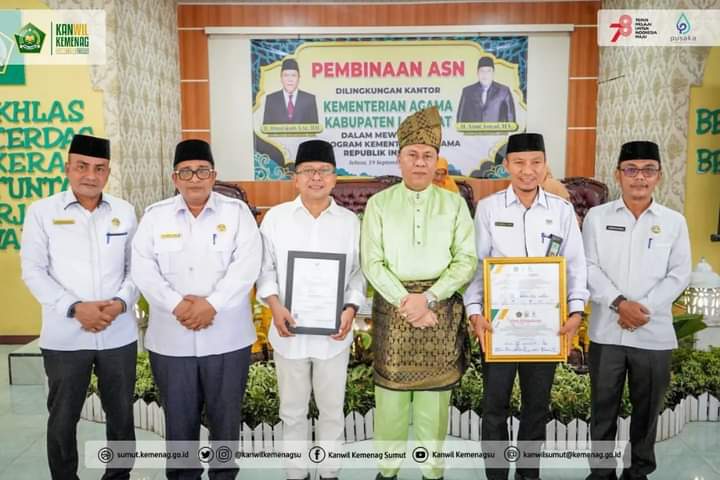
(187, 384)
(535, 383)
(68, 375)
(648, 374)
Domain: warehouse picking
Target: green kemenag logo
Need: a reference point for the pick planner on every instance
(29, 39)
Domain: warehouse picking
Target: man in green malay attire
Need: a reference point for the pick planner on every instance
(417, 250)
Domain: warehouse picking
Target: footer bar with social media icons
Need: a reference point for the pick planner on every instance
(461, 454)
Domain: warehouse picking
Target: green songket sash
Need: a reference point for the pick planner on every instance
(411, 358)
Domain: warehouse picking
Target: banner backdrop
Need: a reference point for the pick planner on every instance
(702, 196)
(41, 109)
(354, 92)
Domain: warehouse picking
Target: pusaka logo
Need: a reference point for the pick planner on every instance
(29, 39)
(683, 27)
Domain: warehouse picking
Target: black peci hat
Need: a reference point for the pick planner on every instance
(486, 62)
(289, 64)
(639, 150)
(315, 151)
(90, 146)
(193, 150)
(526, 142)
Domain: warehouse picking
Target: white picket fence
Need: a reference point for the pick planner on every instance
(465, 425)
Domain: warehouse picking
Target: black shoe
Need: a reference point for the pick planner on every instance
(627, 476)
(520, 476)
(379, 476)
(595, 476)
(306, 477)
(328, 478)
(425, 478)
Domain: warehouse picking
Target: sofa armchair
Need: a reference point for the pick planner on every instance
(235, 191)
(354, 194)
(585, 193)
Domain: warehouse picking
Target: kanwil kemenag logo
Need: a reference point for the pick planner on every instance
(72, 39)
(29, 39)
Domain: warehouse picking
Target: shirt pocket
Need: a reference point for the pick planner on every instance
(613, 245)
(68, 242)
(115, 241)
(548, 236)
(113, 248)
(221, 249)
(168, 252)
(657, 259)
(507, 239)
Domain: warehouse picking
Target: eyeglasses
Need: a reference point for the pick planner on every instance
(311, 172)
(648, 172)
(186, 174)
(413, 157)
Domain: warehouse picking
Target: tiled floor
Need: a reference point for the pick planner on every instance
(693, 455)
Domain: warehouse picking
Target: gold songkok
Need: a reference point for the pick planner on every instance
(421, 127)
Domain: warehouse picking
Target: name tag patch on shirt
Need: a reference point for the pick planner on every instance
(615, 228)
(170, 235)
(504, 224)
(63, 221)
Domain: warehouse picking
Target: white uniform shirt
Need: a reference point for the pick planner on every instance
(289, 226)
(216, 255)
(69, 255)
(647, 260)
(505, 228)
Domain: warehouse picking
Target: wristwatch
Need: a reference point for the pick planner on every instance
(351, 305)
(615, 305)
(122, 302)
(432, 301)
(71, 310)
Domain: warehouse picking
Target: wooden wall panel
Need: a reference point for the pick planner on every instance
(196, 135)
(483, 188)
(580, 159)
(193, 54)
(267, 194)
(582, 103)
(584, 52)
(195, 103)
(16, 339)
(199, 16)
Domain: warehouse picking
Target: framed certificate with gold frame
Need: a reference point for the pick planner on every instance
(526, 304)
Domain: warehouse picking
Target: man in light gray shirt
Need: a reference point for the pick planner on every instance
(638, 256)
(75, 260)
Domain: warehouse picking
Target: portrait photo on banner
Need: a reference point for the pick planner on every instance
(354, 92)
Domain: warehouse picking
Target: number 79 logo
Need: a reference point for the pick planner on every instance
(622, 27)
